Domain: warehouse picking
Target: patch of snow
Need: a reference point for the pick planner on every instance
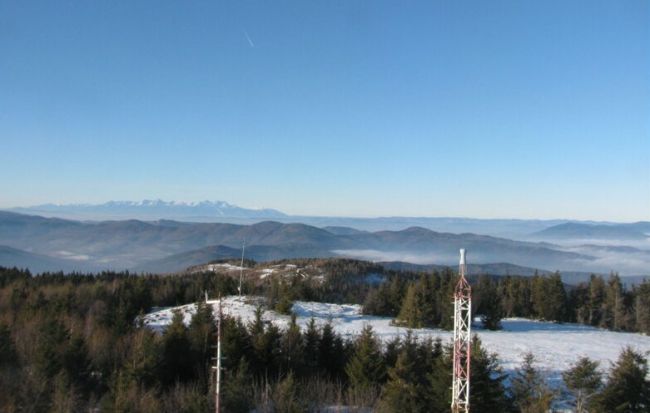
(555, 346)
(266, 272)
(223, 267)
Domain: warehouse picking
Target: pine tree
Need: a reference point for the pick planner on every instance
(489, 303)
(235, 341)
(487, 393)
(285, 396)
(75, 362)
(427, 289)
(237, 390)
(391, 352)
(201, 333)
(293, 348)
(627, 389)
(311, 339)
(448, 281)
(440, 379)
(8, 356)
(176, 351)
(331, 354)
(50, 346)
(530, 393)
(549, 298)
(596, 300)
(366, 368)
(404, 390)
(642, 307)
(266, 349)
(396, 291)
(410, 314)
(583, 381)
(144, 361)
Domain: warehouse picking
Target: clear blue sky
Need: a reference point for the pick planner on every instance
(528, 109)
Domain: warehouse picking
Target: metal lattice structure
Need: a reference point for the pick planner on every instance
(462, 341)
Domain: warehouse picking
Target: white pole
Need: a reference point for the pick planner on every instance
(241, 267)
(218, 386)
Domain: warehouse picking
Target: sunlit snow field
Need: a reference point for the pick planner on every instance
(555, 346)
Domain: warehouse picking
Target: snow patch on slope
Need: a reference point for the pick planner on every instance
(555, 346)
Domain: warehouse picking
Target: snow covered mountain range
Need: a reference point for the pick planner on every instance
(150, 210)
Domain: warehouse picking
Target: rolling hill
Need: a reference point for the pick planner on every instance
(581, 231)
(168, 246)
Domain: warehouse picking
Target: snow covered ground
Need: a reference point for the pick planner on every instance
(555, 346)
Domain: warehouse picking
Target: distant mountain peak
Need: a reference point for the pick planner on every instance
(150, 209)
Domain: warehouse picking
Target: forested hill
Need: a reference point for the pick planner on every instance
(75, 343)
(138, 244)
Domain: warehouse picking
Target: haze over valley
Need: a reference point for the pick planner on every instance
(159, 236)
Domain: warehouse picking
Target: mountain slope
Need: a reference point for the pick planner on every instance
(184, 260)
(574, 230)
(150, 210)
(132, 243)
(37, 263)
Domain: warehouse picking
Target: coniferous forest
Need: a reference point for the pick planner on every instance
(73, 342)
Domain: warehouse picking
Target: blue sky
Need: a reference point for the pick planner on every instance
(520, 109)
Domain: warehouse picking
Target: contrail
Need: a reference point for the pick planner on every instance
(250, 42)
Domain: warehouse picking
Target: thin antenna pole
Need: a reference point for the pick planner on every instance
(241, 267)
(217, 388)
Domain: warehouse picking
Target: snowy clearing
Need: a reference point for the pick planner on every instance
(555, 346)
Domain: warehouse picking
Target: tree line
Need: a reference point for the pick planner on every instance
(600, 302)
(75, 343)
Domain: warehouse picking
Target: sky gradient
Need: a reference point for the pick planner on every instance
(503, 109)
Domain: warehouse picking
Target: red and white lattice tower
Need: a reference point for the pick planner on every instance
(462, 341)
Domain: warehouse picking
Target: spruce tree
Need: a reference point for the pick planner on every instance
(391, 351)
(50, 346)
(176, 351)
(583, 380)
(235, 341)
(326, 355)
(489, 306)
(596, 300)
(549, 298)
(448, 281)
(285, 396)
(293, 348)
(410, 314)
(404, 390)
(201, 334)
(427, 291)
(487, 393)
(614, 316)
(237, 389)
(440, 379)
(8, 355)
(627, 389)
(311, 339)
(529, 391)
(642, 307)
(144, 361)
(366, 367)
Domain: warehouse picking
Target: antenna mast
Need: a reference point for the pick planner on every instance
(217, 368)
(241, 267)
(462, 341)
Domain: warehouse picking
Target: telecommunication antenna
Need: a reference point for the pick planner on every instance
(217, 366)
(462, 341)
(241, 267)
